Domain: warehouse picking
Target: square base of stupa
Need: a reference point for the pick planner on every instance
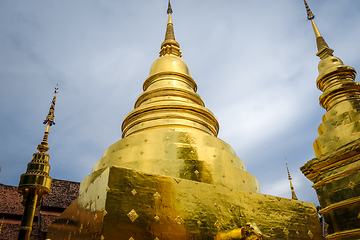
(126, 204)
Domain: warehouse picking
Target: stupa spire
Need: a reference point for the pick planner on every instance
(170, 46)
(293, 195)
(35, 182)
(323, 49)
(340, 95)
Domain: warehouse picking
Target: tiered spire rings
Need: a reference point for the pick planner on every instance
(169, 98)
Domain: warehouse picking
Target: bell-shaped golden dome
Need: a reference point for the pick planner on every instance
(169, 63)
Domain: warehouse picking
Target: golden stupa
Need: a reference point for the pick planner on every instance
(170, 177)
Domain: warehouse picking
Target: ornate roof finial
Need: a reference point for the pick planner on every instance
(170, 46)
(49, 121)
(293, 195)
(323, 49)
(36, 182)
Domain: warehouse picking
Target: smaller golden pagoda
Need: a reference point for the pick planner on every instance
(36, 182)
(335, 169)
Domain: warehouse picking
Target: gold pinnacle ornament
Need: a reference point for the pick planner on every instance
(293, 195)
(36, 182)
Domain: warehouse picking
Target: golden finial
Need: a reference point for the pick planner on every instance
(36, 182)
(49, 121)
(323, 49)
(170, 46)
(293, 195)
(169, 10)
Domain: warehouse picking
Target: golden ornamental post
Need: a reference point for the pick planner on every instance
(35, 182)
(293, 195)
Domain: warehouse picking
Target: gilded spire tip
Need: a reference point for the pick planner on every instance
(169, 10)
(170, 46)
(289, 176)
(49, 121)
(310, 15)
(324, 50)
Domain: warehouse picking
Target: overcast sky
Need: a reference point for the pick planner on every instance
(254, 63)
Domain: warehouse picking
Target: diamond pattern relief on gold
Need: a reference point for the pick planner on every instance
(214, 155)
(157, 218)
(297, 233)
(232, 208)
(134, 192)
(218, 224)
(141, 153)
(177, 180)
(131, 238)
(196, 172)
(199, 223)
(179, 220)
(167, 138)
(311, 235)
(286, 231)
(351, 185)
(166, 151)
(157, 195)
(132, 215)
(223, 175)
(166, 171)
(197, 202)
(178, 199)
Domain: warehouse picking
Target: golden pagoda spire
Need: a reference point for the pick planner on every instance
(169, 90)
(340, 95)
(170, 46)
(323, 49)
(293, 195)
(36, 182)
